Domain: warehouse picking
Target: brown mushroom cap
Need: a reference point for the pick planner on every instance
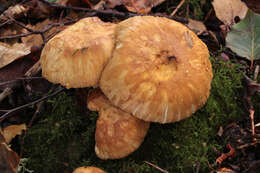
(76, 56)
(159, 71)
(89, 169)
(118, 134)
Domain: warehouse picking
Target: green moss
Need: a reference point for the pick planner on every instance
(63, 138)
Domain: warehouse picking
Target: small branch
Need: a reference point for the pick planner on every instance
(16, 36)
(18, 79)
(5, 93)
(198, 168)
(2, 24)
(248, 145)
(224, 156)
(111, 12)
(11, 111)
(21, 24)
(39, 105)
(34, 70)
(32, 32)
(102, 12)
(256, 72)
(251, 115)
(156, 167)
(177, 8)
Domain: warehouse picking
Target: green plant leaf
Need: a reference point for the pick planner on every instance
(244, 37)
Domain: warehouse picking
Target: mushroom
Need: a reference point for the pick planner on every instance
(150, 69)
(76, 56)
(118, 133)
(159, 71)
(89, 169)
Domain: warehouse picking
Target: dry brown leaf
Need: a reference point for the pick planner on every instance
(253, 5)
(227, 10)
(62, 2)
(11, 131)
(137, 6)
(196, 26)
(220, 131)
(9, 160)
(225, 170)
(10, 30)
(16, 11)
(2, 138)
(10, 53)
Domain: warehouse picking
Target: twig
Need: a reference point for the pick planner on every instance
(5, 93)
(17, 79)
(256, 72)
(224, 156)
(16, 36)
(9, 113)
(177, 8)
(156, 167)
(198, 168)
(2, 110)
(2, 24)
(39, 105)
(111, 12)
(102, 12)
(38, 31)
(34, 70)
(248, 145)
(21, 24)
(251, 115)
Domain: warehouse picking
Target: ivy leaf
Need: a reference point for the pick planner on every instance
(244, 37)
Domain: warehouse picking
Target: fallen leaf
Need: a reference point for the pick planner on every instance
(16, 12)
(244, 37)
(227, 10)
(38, 9)
(196, 26)
(10, 30)
(2, 138)
(9, 160)
(226, 170)
(220, 131)
(137, 6)
(254, 5)
(11, 131)
(10, 53)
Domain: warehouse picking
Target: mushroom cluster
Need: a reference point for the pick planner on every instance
(145, 69)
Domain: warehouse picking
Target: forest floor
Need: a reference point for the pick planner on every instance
(60, 130)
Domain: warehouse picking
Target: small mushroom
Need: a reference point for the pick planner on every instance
(76, 56)
(89, 169)
(118, 133)
(159, 71)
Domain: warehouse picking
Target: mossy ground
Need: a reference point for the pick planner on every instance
(63, 137)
